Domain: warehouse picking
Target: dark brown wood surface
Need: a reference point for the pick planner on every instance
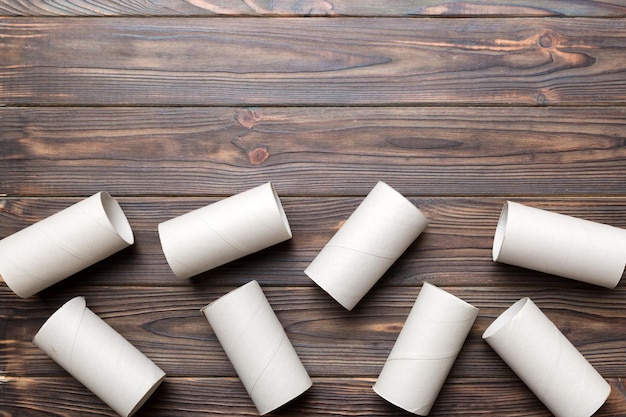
(170, 106)
(366, 8)
(305, 61)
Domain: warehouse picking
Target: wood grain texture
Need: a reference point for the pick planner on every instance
(605, 8)
(299, 61)
(64, 397)
(313, 151)
(326, 397)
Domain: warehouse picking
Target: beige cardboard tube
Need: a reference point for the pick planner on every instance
(546, 361)
(425, 350)
(380, 229)
(69, 241)
(99, 357)
(258, 347)
(560, 245)
(221, 232)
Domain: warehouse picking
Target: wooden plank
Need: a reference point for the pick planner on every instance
(34, 397)
(218, 396)
(606, 8)
(166, 324)
(455, 249)
(299, 61)
(313, 151)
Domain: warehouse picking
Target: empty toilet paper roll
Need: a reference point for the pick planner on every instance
(425, 350)
(561, 245)
(380, 229)
(546, 361)
(54, 248)
(258, 347)
(99, 357)
(221, 232)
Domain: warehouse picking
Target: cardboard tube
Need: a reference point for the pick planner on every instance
(221, 232)
(425, 350)
(69, 241)
(258, 347)
(560, 245)
(99, 357)
(380, 229)
(546, 361)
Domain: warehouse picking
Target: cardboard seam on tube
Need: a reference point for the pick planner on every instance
(41, 280)
(258, 347)
(224, 231)
(269, 363)
(561, 245)
(65, 248)
(416, 370)
(80, 323)
(241, 251)
(99, 357)
(519, 336)
(54, 248)
(387, 258)
(373, 237)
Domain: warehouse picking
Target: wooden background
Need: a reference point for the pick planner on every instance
(172, 105)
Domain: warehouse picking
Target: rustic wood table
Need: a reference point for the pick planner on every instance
(172, 105)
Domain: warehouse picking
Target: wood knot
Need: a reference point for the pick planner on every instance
(247, 118)
(546, 41)
(541, 99)
(258, 156)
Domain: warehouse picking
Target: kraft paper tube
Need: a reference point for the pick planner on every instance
(425, 350)
(561, 245)
(221, 232)
(258, 347)
(99, 357)
(546, 361)
(380, 229)
(54, 248)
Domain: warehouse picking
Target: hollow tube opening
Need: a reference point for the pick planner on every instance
(146, 396)
(498, 239)
(405, 201)
(505, 317)
(447, 295)
(280, 209)
(117, 218)
(79, 303)
(253, 283)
